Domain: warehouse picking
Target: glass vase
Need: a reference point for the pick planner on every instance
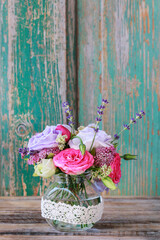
(71, 204)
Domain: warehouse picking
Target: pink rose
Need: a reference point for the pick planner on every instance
(72, 162)
(64, 131)
(115, 175)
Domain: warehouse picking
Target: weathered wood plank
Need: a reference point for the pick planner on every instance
(71, 56)
(34, 74)
(23, 237)
(119, 56)
(112, 49)
(4, 101)
(126, 218)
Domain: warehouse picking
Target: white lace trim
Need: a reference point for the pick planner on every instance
(71, 214)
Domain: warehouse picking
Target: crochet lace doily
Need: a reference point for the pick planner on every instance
(71, 214)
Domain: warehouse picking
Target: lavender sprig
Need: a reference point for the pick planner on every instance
(24, 151)
(127, 126)
(69, 116)
(98, 119)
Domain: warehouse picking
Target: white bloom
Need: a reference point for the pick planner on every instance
(102, 139)
(45, 168)
(61, 140)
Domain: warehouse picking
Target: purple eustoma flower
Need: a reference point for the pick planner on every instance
(45, 139)
(99, 186)
(102, 139)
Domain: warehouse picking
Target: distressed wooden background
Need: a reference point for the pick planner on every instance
(53, 50)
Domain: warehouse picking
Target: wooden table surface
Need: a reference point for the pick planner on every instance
(123, 218)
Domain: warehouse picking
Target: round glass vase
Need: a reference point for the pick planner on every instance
(71, 204)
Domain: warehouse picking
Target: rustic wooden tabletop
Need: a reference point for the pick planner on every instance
(123, 218)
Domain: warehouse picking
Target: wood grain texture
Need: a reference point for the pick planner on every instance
(34, 75)
(53, 50)
(71, 56)
(119, 57)
(123, 218)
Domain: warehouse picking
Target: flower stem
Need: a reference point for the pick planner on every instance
(122, 131)
(93, 139)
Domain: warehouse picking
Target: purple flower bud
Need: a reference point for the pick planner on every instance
(133, 120)
(32, 152)
(116, 136)
(69, 116)
(23, 151)
(142, 112)
(102, 107)
(20, 150)
(98, 119)
(138, 116)
(96, 129)
(67, 111)
(105, 101)
(126, 126)
(70, 123)
(65, 104)
(100, 112)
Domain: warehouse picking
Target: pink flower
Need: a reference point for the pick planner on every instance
(64, 131)
(46, 151)
(22, 155)
(43, 153)
(72, 162)
(104, 155)
(33, 159)
(115, 175)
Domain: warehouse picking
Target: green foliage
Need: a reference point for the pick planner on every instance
(109, 183)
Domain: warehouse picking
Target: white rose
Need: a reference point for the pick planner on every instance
(102, 139)
(45, 168)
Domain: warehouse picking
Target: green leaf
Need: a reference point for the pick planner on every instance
(109, 183)
(50, 155)
(93, 152)
(82, 148)
(129, 156)
(115, 144)
(35, 175)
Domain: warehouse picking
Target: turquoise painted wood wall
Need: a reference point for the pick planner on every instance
(53, 50)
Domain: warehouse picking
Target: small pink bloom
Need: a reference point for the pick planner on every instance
(72, 162)
(53, 150)
(43, 153)
(104, 155)
(115, 175)
(22, 155)
(33, 159)
(64, 131)
(46, 151)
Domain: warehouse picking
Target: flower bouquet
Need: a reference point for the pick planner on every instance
(84, 163)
